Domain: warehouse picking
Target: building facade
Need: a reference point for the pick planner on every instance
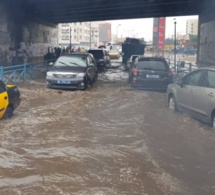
(94, 34)
(79, 31)
(191, 27)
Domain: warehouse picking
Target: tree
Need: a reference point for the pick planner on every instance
(169, 41)
(193, 38)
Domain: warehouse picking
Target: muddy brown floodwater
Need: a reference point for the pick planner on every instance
(110, 140)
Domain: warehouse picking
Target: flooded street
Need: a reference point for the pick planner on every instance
(109, 140)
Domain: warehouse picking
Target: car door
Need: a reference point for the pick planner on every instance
(205, 96)
(3, 99)
(190, 88)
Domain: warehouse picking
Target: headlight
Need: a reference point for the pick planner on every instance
(80, 75)
(49, 74)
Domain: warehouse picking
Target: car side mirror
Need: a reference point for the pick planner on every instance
(180, 83)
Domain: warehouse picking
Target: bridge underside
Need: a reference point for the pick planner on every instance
(21, 19)
(60, 11)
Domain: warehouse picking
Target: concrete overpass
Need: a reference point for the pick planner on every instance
(34, 21)
(56, 11)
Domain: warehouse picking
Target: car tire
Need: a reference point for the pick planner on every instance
(172, 104)
(96, 77)
(87, 83)
(213, 121)
(9, 113)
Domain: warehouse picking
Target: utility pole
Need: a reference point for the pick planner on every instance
(90, 35)
(175, 43)
(70, 40)
(117, 32)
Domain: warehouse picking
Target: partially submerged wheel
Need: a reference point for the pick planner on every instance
(213, 121)
(8, 113)
(87, 84)
(172, 104)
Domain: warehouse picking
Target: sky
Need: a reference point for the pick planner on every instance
(143, 28)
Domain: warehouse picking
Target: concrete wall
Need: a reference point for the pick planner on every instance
(206, 52)
(18, 29)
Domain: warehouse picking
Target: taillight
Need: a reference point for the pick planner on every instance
(135, 71)
(169, 72)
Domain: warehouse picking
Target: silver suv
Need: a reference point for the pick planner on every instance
(195, 94)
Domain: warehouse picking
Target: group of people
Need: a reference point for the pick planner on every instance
(13, 56)
(53, 54)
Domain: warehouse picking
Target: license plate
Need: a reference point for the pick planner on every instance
(151, 76)
(64, 82)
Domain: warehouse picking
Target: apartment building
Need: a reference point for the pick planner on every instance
(79, 32)
(191, 27)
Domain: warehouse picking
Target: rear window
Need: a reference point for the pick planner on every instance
(98, 54)
(151, 65)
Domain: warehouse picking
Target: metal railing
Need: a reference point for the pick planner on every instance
(182, 67)
(17, 73)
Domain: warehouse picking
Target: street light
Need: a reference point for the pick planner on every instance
(90, 35)
(70, 40)
(175, 43)
(117, 31)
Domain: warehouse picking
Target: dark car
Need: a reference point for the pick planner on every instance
(102, 58)
(73, 71)
(151, 73)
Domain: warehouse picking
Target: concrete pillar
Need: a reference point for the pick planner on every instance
(17, 28)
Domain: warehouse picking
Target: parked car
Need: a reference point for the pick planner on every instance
(73, 71)
(9, 100)
(195, 94)
(101, 56)
(114, 54)
(151, 73)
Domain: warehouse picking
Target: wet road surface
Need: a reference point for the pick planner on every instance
(110, 140)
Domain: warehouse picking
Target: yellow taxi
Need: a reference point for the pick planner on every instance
(9, 100)
(114, 54)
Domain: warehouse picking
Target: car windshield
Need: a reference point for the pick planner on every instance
(151, 65)
(72, 61)
(98, 54)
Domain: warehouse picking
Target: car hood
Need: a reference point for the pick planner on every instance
(68, 69)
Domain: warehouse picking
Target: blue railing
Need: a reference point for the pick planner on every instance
(15, 73)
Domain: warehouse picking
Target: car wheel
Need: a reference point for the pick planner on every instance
(213, 121)
(87, 84)
(96, 77)
(172, 104)
(8, 113)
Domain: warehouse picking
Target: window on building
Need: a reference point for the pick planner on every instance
(65, 37)
(65, 31)
(65, 25)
